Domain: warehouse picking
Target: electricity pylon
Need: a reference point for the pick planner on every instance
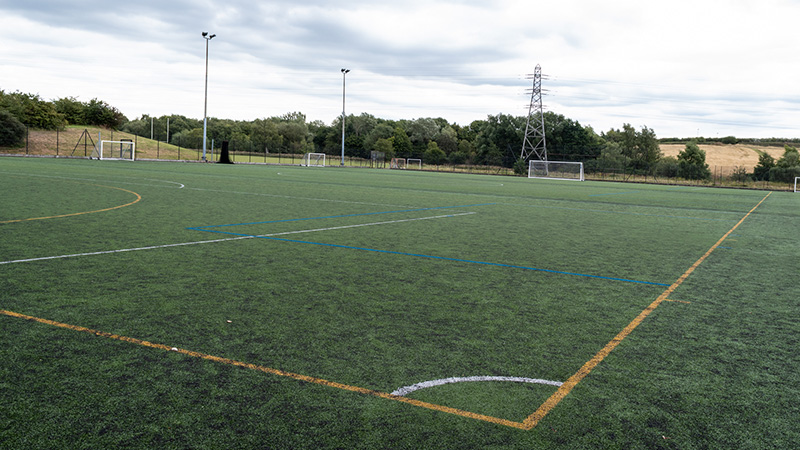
(534, 145)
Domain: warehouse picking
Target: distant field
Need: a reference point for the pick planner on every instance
(167, 305)
(727, 155)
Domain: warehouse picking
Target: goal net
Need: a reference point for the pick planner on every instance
(414, 163)
(314, 160)
(398, 163)
(556, 170)
(124, 150)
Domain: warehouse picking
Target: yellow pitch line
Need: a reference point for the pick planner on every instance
(269, 370)
(532, 420)
(138, 197)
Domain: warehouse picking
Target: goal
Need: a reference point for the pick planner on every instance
(415, 163)
(556, 170)
(122, 150)
(314, 160)
(398, 163)
(796, 179)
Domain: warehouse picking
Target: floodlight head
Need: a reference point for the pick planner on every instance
(212, 36)
(345, 70)
(205, 33)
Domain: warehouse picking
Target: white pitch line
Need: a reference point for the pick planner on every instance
(292, 197)
(106, 252)
(153, 247)
(115, 180)
(426, 384)
(365, 224)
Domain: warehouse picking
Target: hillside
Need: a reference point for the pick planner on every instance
(720, 155)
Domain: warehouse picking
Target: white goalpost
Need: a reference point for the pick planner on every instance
(314, 160)
(118, 150)
(556, 170)
(416, 163)
(795, 183)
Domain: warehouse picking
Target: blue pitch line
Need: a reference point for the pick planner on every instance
(441, 258)
(204, 228)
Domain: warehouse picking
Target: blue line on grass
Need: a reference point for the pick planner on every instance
(441, 258)
(204, 228)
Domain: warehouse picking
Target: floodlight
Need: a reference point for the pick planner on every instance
(344, 73)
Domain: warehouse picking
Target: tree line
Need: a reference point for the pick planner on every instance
(494, 141)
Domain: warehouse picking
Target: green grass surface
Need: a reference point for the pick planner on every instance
(379, 279)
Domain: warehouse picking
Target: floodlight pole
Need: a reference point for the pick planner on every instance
(205, 103)
(344, 75)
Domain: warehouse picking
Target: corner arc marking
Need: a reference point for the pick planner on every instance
(405, 390)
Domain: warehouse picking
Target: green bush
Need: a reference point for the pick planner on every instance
(667, 167)
(12, 131)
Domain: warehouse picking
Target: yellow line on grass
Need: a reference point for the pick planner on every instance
(532, 420)
(138, 197)
(269, 370)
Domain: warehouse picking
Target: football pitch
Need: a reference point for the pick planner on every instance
(185, 305)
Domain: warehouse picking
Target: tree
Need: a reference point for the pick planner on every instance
(264, 136)
(434, 155)
(12, 131)
(100, 113)
(32, 110)
(499, 140)
(790, 158)
(765, 163)
(71, 109)
(382, 131)
(386, 146)
(611, 157)
(448, 139)
(568, 140)
(402, 143)
(640, 147)
(692, 163)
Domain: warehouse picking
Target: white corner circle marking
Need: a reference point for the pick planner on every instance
(426, 384)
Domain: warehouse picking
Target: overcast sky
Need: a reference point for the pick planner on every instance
(683, 68)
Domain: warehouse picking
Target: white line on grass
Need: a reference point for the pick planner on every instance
(153, 247)
(364, 224)
(292, 197)
(116, 179)
(426, 384)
